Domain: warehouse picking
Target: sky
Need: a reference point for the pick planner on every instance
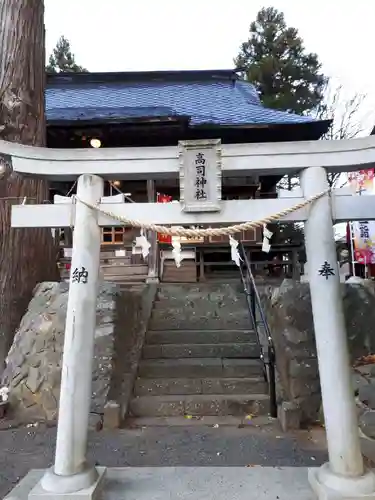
(141, 35)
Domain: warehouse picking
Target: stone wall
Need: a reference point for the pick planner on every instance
(135, 313)
(290, 320)
(289, 314)
(33, 370)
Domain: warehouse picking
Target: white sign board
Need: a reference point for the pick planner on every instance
(200, 175)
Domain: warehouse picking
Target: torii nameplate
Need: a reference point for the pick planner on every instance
(200, 175)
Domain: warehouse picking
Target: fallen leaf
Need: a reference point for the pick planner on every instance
(189, 417)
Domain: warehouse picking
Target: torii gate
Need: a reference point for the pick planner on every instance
(344, 476)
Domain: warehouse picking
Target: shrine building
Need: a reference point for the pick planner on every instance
(153, 109)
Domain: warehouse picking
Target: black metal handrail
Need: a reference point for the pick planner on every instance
(267, 351)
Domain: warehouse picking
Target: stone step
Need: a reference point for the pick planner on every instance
(243, 421)
(199, 337)
(200, 324)
(175, 386)
(199, 367)
(200, 404)
(207, 320)
(200, 310)
(197, 291)
(235, 350)
(199, 305)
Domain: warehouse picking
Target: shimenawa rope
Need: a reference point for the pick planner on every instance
(220, 231)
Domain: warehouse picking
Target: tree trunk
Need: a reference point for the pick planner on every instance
(27, 256)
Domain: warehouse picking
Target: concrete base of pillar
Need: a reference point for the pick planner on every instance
(329, 486)
(85, 486)
(191, 483)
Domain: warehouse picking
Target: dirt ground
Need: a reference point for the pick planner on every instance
(25, 448)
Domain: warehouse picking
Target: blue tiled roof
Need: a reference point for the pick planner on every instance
(206, 101)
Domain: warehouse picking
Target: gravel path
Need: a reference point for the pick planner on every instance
(31, 448)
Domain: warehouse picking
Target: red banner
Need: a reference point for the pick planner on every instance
(363, 180)
(164, 198)
(363, 231)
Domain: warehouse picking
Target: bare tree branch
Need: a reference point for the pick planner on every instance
(345, 113)
(347, 123)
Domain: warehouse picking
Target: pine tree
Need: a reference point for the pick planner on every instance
(62, 59)
(275, 61)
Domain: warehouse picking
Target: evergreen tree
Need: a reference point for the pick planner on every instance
(62, 59)
(27, 256)
(275, 61)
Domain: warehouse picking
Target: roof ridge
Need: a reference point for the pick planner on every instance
(144, 76)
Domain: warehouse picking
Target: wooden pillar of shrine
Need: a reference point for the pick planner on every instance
(153, 257)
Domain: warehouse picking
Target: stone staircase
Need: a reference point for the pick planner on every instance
(199, 357)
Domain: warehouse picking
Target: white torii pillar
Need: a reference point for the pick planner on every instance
(344, 476)
(71, 473)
